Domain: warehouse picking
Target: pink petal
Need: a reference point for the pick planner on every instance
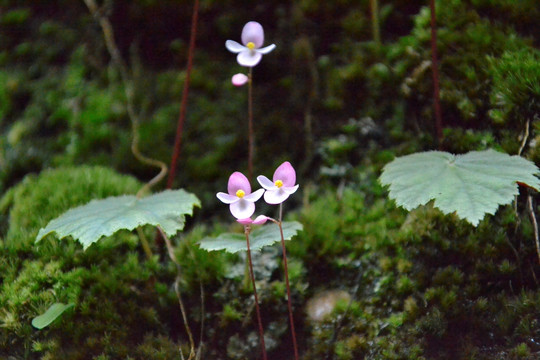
(254, 196)
(245, 221)
(261, 219)
(249, 58)
(242, 209)
(253, 32)
(226, 198)
(266, 50)
(285, 172)
(239, 79)
(234, 47)
(290, 190)
(274, 197)
(238, 181)
(266, 183)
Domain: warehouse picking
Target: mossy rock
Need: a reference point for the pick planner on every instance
(39, 199)
(117, 314)
(425, 285)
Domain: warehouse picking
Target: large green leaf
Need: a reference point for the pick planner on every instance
(52, 313)
(98, 218)
(472, 185)
(263, 236)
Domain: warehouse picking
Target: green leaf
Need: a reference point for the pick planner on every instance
(52, 313)
(226, 241)
(472, 185)
(98, 218)
(263, 236)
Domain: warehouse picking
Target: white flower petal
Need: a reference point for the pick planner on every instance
(290, 189)
(266, 50)
(254, 196)
(234, 47)
(242, 209)
(266, 183)
(274, 197)
(226, 198)
(248, 58)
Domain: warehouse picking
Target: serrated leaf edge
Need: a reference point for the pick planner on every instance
(43, 231)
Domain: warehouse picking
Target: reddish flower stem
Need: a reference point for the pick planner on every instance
(185, 92)
(261, 332)
(251, 146)
(435, 70)
(286, 270)
(375, 21)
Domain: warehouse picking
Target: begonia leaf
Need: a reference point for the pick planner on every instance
(258, 238)
(471, 185)
(98, 218)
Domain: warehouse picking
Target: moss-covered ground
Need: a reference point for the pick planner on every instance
(332, 101)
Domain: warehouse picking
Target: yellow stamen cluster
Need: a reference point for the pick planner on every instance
(250, 45)
(240, 193)
(278, 183)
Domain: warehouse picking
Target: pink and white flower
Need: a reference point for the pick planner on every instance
(282, 186)
(240, 198)
(250, 53)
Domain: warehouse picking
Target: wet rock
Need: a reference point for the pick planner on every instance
(322, 304)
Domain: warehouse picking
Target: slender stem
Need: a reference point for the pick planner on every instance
(285, 269)
(146, 160)
(521, 148)
(251, 145)
(201, 335)
(170, 251)
(144, 243)
(185, 92)
(375, 20)
(201, 290)
(112, 48)
(338, 326)
(525, 138)
(261, 332)
(435, 70)
(535, 225)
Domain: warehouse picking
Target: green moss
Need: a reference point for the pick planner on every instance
(231, 314)
(38, 199)
(15, 16)
(422, 290)
(521, 351)
(110, 284)
(424, 285)
(516, 91)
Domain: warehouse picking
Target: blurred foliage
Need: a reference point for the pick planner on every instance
(328, 99)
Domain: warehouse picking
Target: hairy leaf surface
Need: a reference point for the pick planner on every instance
(263, 236)
(471, 185)
(98, 218)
